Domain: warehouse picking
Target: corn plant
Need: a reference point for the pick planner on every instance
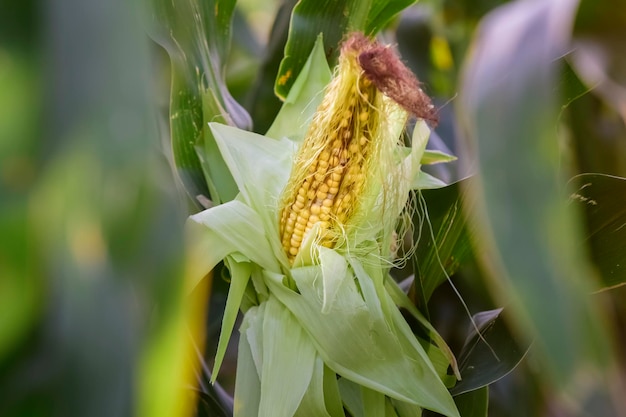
(378, 208)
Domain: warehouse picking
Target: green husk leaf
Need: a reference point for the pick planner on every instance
(304, 97)
(331, 393)
(425, 181)
(373, 403)
(333, 265)
(240, 275)
(431, 157)
(260, 167)
(352, 397)
(313, 401)
(404, 409)
(231, 227)
(247, 381)
(399, 372)
(288, 359)
(403, 301)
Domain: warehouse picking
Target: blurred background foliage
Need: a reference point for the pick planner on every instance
(96, 319)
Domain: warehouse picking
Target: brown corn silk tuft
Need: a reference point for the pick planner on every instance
(383, 68)
(345, 143)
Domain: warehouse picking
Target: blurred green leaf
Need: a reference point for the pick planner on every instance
(603, 199)
(442, 237)
(597, 111)
(98, 220)
(486, 358)
(196, 35)
(528, 233)
(332, 18)
(21, 290)
(598, 131)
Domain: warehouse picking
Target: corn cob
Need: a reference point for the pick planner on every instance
(343, 146)
(328, 171)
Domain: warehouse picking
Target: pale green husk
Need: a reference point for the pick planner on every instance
(324, 333)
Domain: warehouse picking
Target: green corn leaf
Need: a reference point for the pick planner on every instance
(304, 96)
(196, 35)
(333, 19)
(308, 20)
(331, 393)
(264, 105)
(383, 11)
